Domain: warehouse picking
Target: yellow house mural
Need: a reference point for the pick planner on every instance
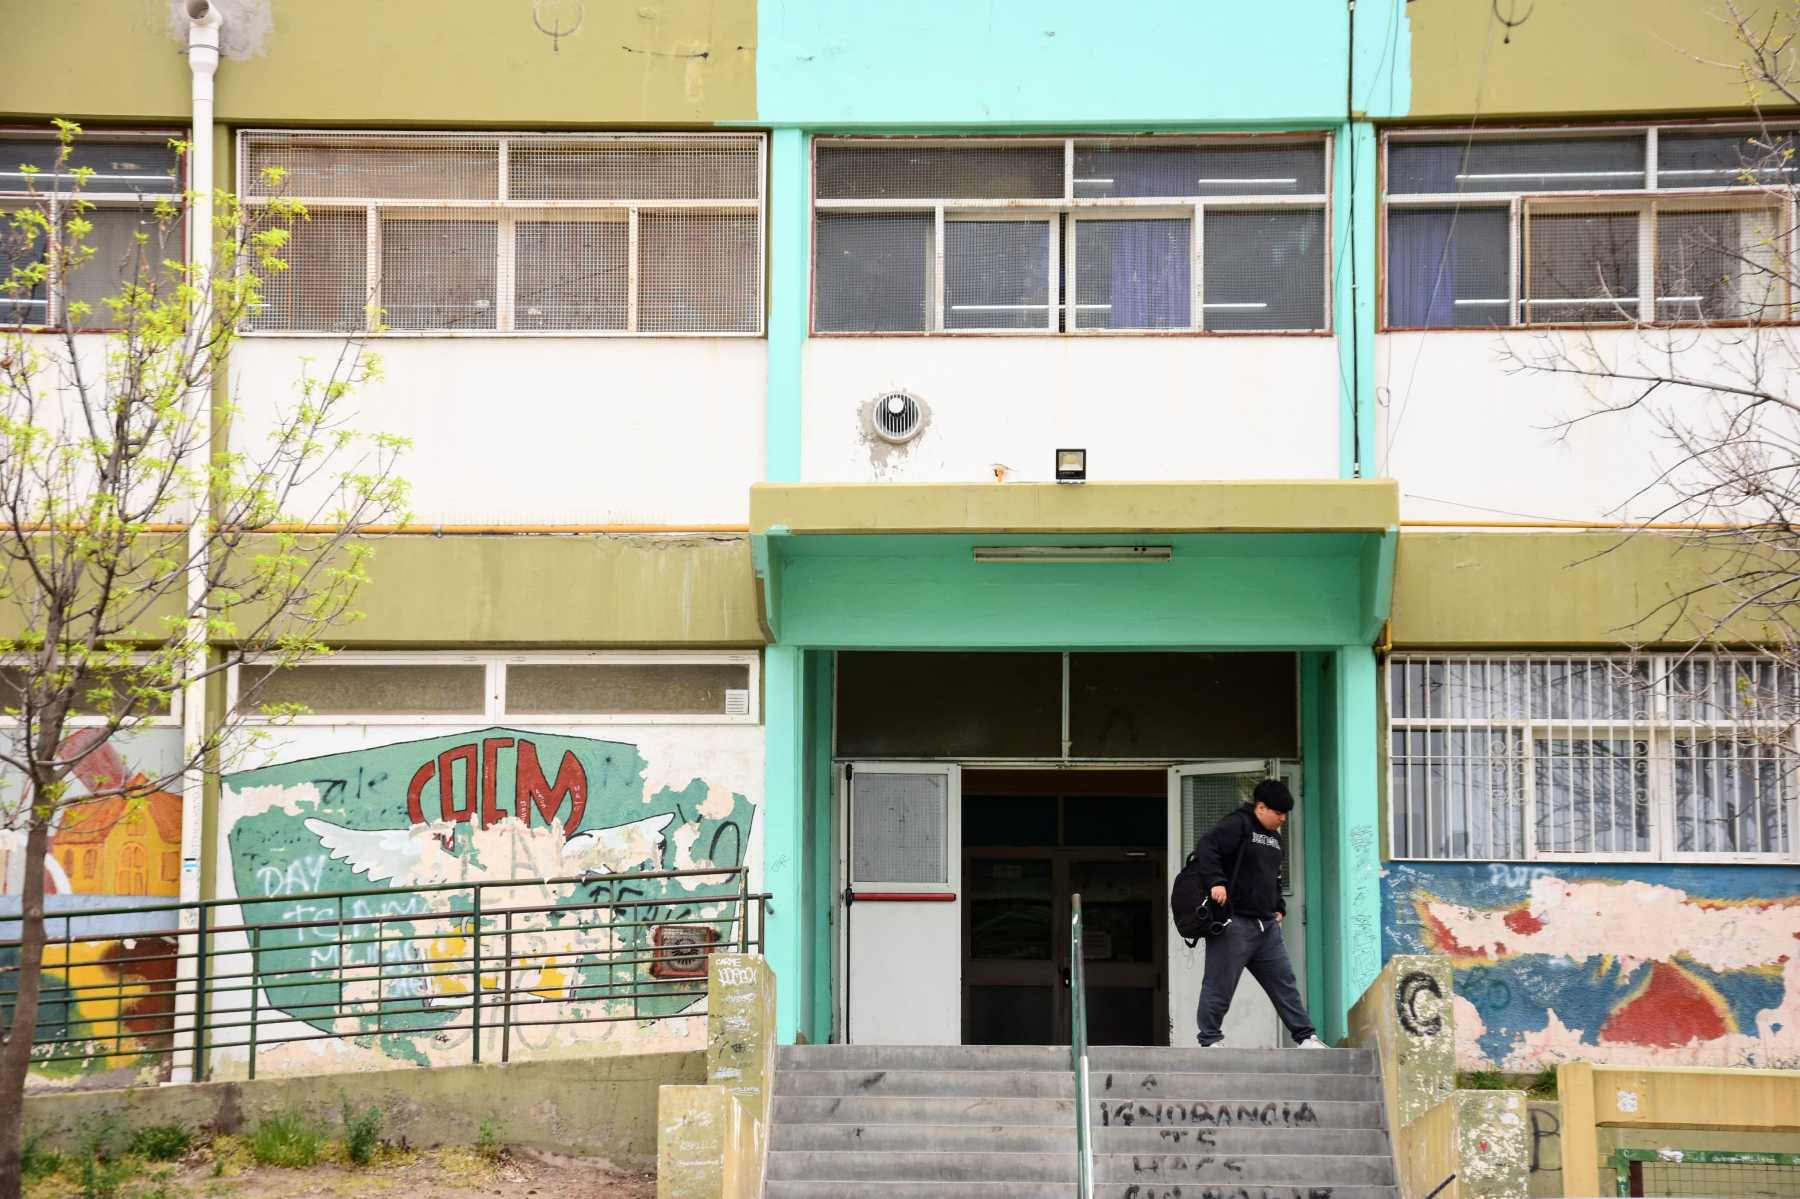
(127, 844)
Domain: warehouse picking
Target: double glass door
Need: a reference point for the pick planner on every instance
(1016, 945)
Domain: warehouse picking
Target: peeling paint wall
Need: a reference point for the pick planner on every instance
(357, 808)
(1638, 965)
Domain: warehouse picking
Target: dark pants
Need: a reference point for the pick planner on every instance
(1248, 942)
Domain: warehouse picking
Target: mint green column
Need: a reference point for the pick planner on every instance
(786, 944)
(1353, 295)
(821, 845)
(789, 205)
(1352, 865)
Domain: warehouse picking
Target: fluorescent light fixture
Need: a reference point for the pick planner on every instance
(1071, 466)
(1072, 553)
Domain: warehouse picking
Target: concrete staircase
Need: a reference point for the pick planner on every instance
(998, 1122)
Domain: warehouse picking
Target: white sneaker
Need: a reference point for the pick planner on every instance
(1313, 1043)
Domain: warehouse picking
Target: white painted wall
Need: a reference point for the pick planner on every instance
(1471, 436)
(547, 430)
(1145, 408)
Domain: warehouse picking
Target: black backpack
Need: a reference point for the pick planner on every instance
(1197, 918)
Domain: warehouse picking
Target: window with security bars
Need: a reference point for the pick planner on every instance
(1665, 225)
(655, 234)
(126, 177)
(1071, 235)
(1522, 758)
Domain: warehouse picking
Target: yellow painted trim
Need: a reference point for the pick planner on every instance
(1275, 506)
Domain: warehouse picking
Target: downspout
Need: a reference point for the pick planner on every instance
(203, 62)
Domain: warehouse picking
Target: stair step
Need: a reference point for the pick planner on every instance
(1121, 1113)
(1029, 1138)
(1148, 1058)
(1151, 1169)
(832, 1189)
(1058, 1084)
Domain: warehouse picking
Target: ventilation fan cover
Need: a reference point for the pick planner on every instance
(896, 416)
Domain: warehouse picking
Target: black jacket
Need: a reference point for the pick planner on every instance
(1258, 891)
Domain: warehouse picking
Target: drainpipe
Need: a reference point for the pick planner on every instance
(203, 61)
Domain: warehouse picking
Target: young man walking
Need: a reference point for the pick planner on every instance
(1246, 847)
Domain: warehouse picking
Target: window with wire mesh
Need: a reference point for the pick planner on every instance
(1552, 757)
(1697, 1172)
(627, 233)
(1077, 234)
(121, 181)
(1491, 229)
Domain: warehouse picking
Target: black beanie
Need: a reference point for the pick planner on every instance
(1273, 793)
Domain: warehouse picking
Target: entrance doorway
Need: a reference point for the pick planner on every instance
(1031, 839)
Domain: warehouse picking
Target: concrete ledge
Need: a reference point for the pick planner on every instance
(601, 1106)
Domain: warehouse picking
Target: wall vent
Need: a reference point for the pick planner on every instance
(896, 416)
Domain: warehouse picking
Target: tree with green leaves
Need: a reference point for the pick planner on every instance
(141, 551)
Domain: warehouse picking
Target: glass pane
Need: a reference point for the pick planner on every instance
(1134, 169)
(325, 287)
(1720, 266)
(1732, 796)
(1010, 909)
(346, 690)
(1265, 269)
(119, 260)
(1745, 159)
(1133, 274)
(140, 166)
(949, 705)
(1591, 796)
(438, 274)
(874, 272)
(1447, 267)
(997, 275)
(1000, 1015)
(97, 693)
(1131, 705)
(376, 167)
(621, 688)
(900, 170)
(709, 169)
(1121, 909)
(1123, 1016)
(25, 305)
(898, 828)
(1582, 267)
(1115, 820)
(1463, 164)
(571, 274)
(699, 273)
(1016, 821)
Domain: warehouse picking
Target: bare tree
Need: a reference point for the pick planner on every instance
(138, 554)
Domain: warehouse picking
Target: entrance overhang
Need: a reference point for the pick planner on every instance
(1250, 565)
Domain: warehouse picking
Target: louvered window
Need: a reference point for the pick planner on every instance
(566, 233)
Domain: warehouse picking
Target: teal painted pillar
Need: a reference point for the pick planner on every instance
(1352, 849)
(785, 941)
(1353, 295)
(1313, 791)
(790, 202)
(821, 845)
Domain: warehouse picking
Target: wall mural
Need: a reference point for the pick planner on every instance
(468, 807)
(1642, 965)
(104, 853)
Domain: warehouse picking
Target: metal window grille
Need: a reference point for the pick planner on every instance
(593, 233)
(1695, 1172)
(128, 173)
(899, 828)
(1547, 757)
(1069, 235)
(1583, 230)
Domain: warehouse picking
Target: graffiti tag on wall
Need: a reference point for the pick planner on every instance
(1649, 965)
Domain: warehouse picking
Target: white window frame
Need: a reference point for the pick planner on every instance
(14, 196)
(1654, 725)
(504, 212)
(1647, 201)
(1062, 256)
(494, 688)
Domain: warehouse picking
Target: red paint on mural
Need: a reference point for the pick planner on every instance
(1521, 921)
(1440, 938)
(468, 784)
(1672, 1009)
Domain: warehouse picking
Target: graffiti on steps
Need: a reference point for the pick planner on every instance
(1129, 1113)
(1191, 1191)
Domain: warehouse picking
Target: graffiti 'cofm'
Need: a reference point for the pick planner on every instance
(479, 764)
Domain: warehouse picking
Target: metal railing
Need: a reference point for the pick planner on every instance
(413, 971)
(1078, 1056)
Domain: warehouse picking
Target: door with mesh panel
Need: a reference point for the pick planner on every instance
(1199, 797)
(902, 913)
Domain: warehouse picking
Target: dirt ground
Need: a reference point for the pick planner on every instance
(431, 1174)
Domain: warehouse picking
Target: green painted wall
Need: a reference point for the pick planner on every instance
(447, 64)
(1625, 57)
(1529, 589)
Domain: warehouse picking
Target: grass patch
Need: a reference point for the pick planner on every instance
(362, 1134)
(1542, 1084)
(287, 1139)
(487, 1141)
(161, 1142)
(1482, 1080)
(100, 1171)
(36, 1159)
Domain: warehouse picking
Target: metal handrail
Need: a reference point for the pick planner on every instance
(1078, 1056)
(414, 970)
